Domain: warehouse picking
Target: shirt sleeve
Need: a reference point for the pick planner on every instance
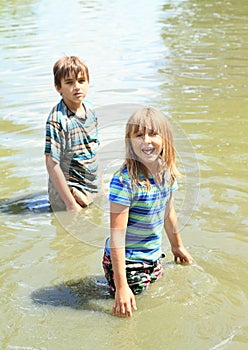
(174, 186)
(120, 191)
(54, 140)
(90, 108)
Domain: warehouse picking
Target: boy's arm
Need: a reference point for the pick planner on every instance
(124, 298)
(171, 228)
(59, 182)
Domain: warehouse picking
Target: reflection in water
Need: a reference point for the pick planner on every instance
(79, 294)
(37, 204)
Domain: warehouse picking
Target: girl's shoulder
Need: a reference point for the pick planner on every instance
(122, 174)
(173, 186)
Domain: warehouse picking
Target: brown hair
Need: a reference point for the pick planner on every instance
(153, 119)
(69, 65)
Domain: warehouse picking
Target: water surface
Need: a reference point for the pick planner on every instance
(188, 58)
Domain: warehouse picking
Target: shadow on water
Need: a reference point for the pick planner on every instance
(84, 294)
(37, 203)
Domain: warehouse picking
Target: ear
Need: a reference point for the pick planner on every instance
(58, 88)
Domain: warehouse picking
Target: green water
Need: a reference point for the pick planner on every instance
(188, 58)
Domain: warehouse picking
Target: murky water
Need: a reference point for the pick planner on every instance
(188, 58)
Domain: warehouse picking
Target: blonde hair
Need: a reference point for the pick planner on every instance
(155, 120)
(69, 65)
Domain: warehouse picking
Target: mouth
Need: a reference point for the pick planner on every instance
(148, 150)
(78, 94)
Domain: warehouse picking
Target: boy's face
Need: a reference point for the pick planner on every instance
(73, 89)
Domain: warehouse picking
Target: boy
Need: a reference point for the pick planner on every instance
(71, 139)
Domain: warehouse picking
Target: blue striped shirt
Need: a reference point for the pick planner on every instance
(146, 215)
(73, 142)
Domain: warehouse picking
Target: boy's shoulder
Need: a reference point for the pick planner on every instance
(90, 109)
(58, 112)
(88, 105)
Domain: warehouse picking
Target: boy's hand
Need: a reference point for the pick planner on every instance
(180, 253)
(124, 302)
(74, 207)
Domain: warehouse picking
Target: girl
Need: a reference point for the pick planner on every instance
(140, 208)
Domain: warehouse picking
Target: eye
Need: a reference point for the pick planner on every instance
(152, 133)
(138, 134)
(68, 82)
(81, 81)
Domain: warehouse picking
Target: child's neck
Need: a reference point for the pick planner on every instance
(79, 109)
(152, 169)
(155, 170)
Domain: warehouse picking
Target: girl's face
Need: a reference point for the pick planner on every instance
(147, 145)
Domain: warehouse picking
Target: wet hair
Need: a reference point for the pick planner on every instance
(154, 120)
(69, 65)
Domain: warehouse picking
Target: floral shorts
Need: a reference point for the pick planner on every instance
(139, 274)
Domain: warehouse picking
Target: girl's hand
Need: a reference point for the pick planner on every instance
(181, 254)
(124, 302)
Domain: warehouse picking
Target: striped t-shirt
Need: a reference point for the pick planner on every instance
(146, 215)
(73, 142)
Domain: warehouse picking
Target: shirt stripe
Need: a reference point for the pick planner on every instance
(73, 142)
(146, 215)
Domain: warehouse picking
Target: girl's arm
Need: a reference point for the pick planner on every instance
(59, 182)
(171, 228)
(124, 298)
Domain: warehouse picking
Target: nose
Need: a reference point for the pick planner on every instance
(147, 138)
(76, 85)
